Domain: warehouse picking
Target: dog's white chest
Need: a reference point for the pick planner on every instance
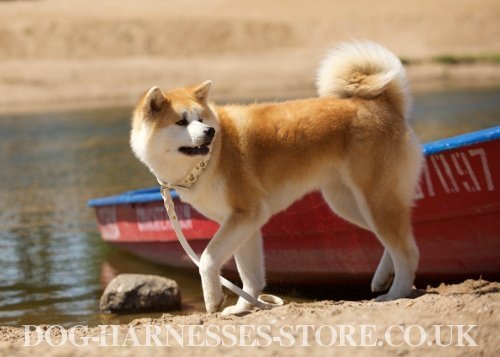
(210, 203)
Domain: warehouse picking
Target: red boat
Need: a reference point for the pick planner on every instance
(456, 224)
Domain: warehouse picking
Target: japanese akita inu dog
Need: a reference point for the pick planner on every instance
(353, 143)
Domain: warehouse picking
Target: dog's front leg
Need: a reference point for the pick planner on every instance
(250, 262)
(232, 234)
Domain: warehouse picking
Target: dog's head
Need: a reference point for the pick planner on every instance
(171, 131)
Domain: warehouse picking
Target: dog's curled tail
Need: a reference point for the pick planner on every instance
(364, 69)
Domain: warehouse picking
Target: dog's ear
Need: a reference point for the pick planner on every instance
(201, 91)
(154, 100)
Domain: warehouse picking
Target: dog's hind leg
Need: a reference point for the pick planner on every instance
(392, 225)
(384, 274)
(342, 201)
(405, 257)
(250, 262)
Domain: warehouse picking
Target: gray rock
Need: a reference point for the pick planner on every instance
(135, 293)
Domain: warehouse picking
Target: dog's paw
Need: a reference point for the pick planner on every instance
(381, 283)
(213, 306)
(237, 309)
(396, 295)
(386, 297)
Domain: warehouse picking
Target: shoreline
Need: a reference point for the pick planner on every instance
(63, 94)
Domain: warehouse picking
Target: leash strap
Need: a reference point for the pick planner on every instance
(264, 301)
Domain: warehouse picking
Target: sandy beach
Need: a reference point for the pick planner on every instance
(472, 303)
(64, 55)
(60, 54)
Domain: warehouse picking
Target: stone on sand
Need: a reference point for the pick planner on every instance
(136, 293)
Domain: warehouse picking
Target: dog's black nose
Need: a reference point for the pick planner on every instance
(210, 132)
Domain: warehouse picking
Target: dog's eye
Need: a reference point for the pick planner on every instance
(200, 120)
(182, 122)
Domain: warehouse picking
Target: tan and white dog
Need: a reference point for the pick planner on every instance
(353, 143)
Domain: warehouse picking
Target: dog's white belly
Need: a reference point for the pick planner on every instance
(292, 190)
(282, 199)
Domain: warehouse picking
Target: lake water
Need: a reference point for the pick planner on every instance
(53, 264)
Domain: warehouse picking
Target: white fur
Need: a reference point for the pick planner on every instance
(383, 275)
(364, 69)
(155, 147)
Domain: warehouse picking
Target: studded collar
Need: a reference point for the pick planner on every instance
(187, 182)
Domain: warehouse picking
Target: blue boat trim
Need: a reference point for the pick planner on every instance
(456, 142)
(142, 195)
(152, 194)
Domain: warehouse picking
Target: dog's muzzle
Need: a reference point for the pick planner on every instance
(202, 149)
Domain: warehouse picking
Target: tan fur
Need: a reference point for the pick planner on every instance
(353, 143)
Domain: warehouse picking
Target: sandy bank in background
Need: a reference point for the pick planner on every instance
(57, 53)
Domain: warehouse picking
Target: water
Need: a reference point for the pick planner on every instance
(53, 264)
